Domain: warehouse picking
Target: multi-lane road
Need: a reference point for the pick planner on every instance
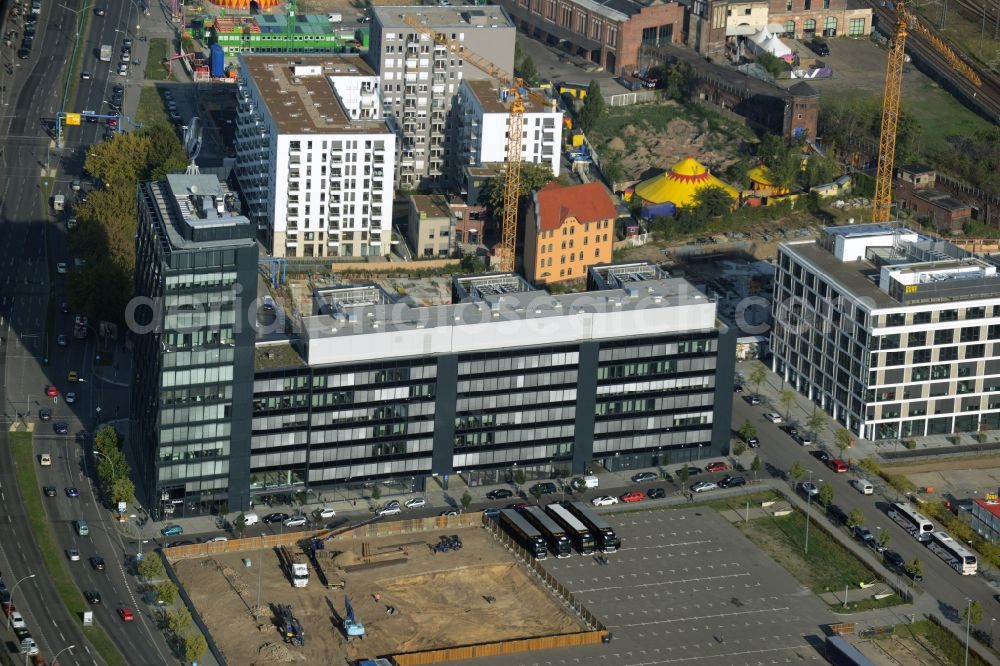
(29, 163)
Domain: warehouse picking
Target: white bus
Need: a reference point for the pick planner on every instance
(907, 517)
(952, 552)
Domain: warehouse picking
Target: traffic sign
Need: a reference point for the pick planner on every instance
(72, 118)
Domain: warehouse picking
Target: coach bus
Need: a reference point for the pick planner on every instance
(554, 534)
(906, 516)
(604, 537)
(578, 532)
(960, 558)
(524, 533)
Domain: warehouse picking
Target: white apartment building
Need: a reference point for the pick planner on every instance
(894, 333)
(484, 114)
(314, 158)
(421, 76)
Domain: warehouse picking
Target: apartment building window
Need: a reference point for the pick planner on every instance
(975, 313)
(921, 317)
(612, 35)
(567, 16)
(948, 354)
(895, 358)
(582, 25)
(993, 332)
(949, 315)
(595, 29)
(550, 10)
(922, 356)
(918, 339)
(969, 334)
(944, 337)
(895, 319)
(789, 28)
(856, 27)
(975, 351)
(890, 341)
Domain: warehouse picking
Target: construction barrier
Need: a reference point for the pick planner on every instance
(499, 648)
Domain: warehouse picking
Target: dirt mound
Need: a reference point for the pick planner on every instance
(616, 144)
(278, 652)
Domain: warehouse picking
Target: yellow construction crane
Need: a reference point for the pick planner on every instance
(905, 21)
(516, 91)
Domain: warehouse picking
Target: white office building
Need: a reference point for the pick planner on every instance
(315, 160)
(482, 131)
(894, 333)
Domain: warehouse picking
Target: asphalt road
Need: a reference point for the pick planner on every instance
(33, 98)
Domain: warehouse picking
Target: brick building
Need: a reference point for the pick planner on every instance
(568, 229)
(805, 19)
(915, 192)
(609, 33)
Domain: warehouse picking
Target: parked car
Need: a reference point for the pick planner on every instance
(837, 465)
(819, 47)
(804, 439)
(862, 486)
(716, 467)
(276, 517)
(693, 471)
(656, 493)
(821, 456)
(732, 482)
(296, 521)
(808, 489)
(753, 442)
(737, 388)
(836, 514)
(752, 399)
(894, 559)
(390, 511)
(633, 496)
(499, 493)
(416, 503)
(604, 500)
(643, 477)
(449, 512)
(326, 512)
(491, 512)
(703, 486)
(172, 530)
(864, 535)
(773, 417)
(543, 488)
(218, 539)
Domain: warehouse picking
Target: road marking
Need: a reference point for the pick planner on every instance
(700, 617)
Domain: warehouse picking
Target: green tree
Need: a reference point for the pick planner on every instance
(678, 82)
(775, 66)
(855, 518)
(536, 492)
(612, 165)
(883, 539)
(178, 621)
(533, 177)
(123, 490)
(713, 201)
(528, 71)
(825, 494)
(757, 377)
(167, 592)
(519, 478)
(151, 567)
(787, 398)
(973, 613)
(466, 500)
(683, 475)
(739, 448)
(472, 264)
(194, 647)
(821, 168)
(748, 430)
(593, 107)
(815, 423)
(796, 472)
(107, 439)
(915, 568)
(166, 154)
(756, 465)
(240, 525)
(843, 439)
(376, 492)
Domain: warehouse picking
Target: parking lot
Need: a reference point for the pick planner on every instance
(686, 588)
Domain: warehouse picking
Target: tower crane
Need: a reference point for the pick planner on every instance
(516, 91)
(905, 22)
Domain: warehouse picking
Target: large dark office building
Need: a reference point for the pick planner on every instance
(630, 374)
(196, 263)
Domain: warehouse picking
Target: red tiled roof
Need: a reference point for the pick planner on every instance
(589, 202)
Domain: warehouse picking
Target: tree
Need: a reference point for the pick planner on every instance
(713, 201)
(519, 478)
(194, 647)
(774, 65)
(528, 71)
(825, 494)
(843, 439)
(678, 82)
(123, 490)
(472, 264)
(756, 465)
(973, 613)
(593, 107)
(612, 166)
(151, 567)
(536, 492)
(815, 423)
(748, 431)
(787, 398)
(240, 525)
(796, 472)
(757, 377)
(178, 621)
(855, 518)
(533, 177)
(821, 168)
(683, 475)
(739, 448)
(376, 492)
(466, 500)
(915, 568)
(107, 438)
(167, 592)
(883, 539)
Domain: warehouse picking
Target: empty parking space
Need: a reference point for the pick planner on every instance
(686, 587)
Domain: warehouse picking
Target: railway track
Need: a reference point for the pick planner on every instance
(984, 99)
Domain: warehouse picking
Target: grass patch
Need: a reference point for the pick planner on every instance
(151, 108)
(868, 604)
(941, 115)
(156, 68)
(828, 566)
(73, 74)
(939, 641)
(52, 555)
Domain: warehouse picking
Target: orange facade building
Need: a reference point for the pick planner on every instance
(567, 230)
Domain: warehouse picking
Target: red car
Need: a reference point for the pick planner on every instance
(51, 391)
(633, 496)
(837, 465)
(716, 467)
(126, 614)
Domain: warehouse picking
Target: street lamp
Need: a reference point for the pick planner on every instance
(55, 659)
(12, 591)
(809, 496)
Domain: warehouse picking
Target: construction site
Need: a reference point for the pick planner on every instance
(421, 591)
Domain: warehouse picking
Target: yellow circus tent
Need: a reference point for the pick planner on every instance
(679, 185)
(245, 4)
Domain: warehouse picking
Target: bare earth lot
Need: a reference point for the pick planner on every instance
(440, 600)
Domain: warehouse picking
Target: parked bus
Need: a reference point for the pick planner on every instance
(555, 535)
(841, 653)
(578, 532)
(604, 537)
(906, 516)
(952, 552)
(524, 533)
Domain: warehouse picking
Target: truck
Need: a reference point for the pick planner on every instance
(325, 579)
(295, 567)
(59, 202)
(106, 51)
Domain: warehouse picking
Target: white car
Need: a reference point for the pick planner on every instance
(122, 69)
(219, 539)
(17, 620)
(296, 521)
(862, 486)
(773, 417)
(73, 554)
(416, 503)
(703, 486)
(326, 512)
(70, 398)
(61, 268)
(390, 510)
(604, 500)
